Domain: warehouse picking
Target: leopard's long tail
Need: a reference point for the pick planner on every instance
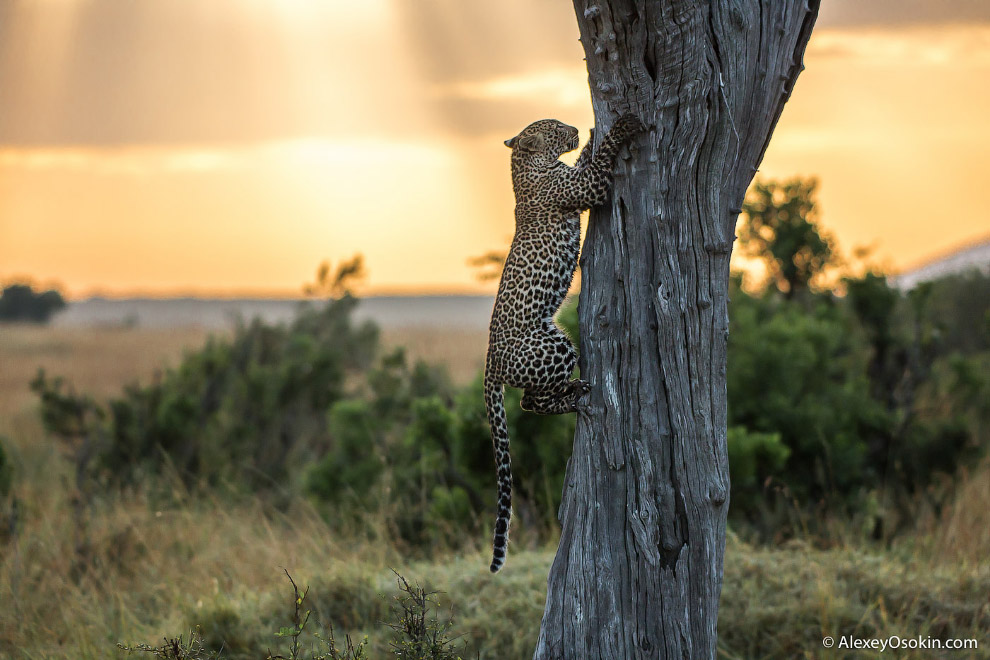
(495, 406)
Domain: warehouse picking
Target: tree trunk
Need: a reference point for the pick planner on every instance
(639, 568)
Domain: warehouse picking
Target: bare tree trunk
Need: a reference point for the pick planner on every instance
(639, 569)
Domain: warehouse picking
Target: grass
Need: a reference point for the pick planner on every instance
(461, 351)
(168, 563)
(203, 565)
(99, 361)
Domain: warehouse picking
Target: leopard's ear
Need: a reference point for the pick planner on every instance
(511, 142)
(534, 142)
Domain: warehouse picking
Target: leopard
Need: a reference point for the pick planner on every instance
(526, 347)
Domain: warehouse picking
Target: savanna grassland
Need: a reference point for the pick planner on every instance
(163, 558)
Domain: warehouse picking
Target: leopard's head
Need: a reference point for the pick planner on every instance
(547, 137)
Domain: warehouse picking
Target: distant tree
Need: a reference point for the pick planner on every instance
(781, 229)
(339, 284)
(19, 302)
(489, 265)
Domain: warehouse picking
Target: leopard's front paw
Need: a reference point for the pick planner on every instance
(628, 125)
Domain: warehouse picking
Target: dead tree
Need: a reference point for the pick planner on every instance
(639, 569)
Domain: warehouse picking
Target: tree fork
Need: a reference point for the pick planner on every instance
(639, 569)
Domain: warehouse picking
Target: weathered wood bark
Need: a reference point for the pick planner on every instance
(639, 569)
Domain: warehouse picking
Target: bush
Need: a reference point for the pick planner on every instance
(752, 456)
(795, 373)
(244, 412)
(427, 451)
(959, 307)
(19, 302)
(834, 402)
(860, 391)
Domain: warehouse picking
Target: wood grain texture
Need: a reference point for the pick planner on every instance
(639, 568)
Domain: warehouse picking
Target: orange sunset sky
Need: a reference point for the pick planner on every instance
(226, 147)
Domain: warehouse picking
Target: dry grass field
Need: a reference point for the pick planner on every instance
(150, 570)
(97, 360)
(461, 351)
(100, 361)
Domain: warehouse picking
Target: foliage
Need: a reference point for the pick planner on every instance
(852, 404)
(395, 442)
(959, 306)
(781, 229)
(19, 302)
(488, 265)
(300, 619)
(429, 449)
(753, 456)
(242, 412)
(418, 632)
(341, 283)
(793, 373)
(874, 394)
(851, 390)
(153, 569)
(174, 648)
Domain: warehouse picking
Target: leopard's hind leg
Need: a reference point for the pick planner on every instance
(549, 388)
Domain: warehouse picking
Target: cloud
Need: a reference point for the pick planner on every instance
(105, 72)
(947, 45)
(148, 161)
(453, 41)
(564, 86)
(180, 72)
(878, 13)
(504, 104)
(125, 161)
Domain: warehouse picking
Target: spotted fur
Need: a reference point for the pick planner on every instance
(526, 348)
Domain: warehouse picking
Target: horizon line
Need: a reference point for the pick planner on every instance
(251, 294)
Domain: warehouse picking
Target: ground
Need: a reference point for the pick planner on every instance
(161, 571)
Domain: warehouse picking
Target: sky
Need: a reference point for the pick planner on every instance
(182, 147)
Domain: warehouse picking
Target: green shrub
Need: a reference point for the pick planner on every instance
(861, 393)
(798, 373)
(752, 456)
(835, 402)
(352, 465)
(959, 309)
(244, 412)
